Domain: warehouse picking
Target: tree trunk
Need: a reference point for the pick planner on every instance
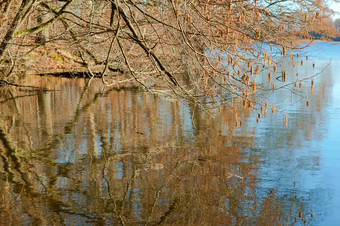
(42, 36)
(15, 23)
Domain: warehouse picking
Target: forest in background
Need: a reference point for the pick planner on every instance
(198, 50)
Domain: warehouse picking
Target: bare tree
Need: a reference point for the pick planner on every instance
(200, 50)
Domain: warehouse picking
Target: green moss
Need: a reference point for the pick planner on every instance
(56, 57)
(20, 153)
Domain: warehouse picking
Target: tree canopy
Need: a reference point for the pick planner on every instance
(200, 50)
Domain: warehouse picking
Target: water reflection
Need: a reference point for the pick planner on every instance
(79, 155)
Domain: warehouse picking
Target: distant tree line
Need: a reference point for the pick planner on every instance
(333, 33)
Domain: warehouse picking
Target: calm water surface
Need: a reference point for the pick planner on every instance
(81, 156)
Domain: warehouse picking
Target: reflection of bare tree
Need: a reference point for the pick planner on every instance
(125, 158)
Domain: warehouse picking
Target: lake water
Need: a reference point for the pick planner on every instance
(81, 156)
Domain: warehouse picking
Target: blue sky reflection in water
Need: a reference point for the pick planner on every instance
(331, 147)
(127, 157)
(311, 160)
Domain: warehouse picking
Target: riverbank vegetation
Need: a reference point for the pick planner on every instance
(199, 50)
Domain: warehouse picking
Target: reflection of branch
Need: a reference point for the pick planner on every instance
(127, 190)
(16, 97)
(168, 212)
(6, 167)
(171, 207)
(109, 191)
(3, 82)
(80, 110)
(10, 152)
